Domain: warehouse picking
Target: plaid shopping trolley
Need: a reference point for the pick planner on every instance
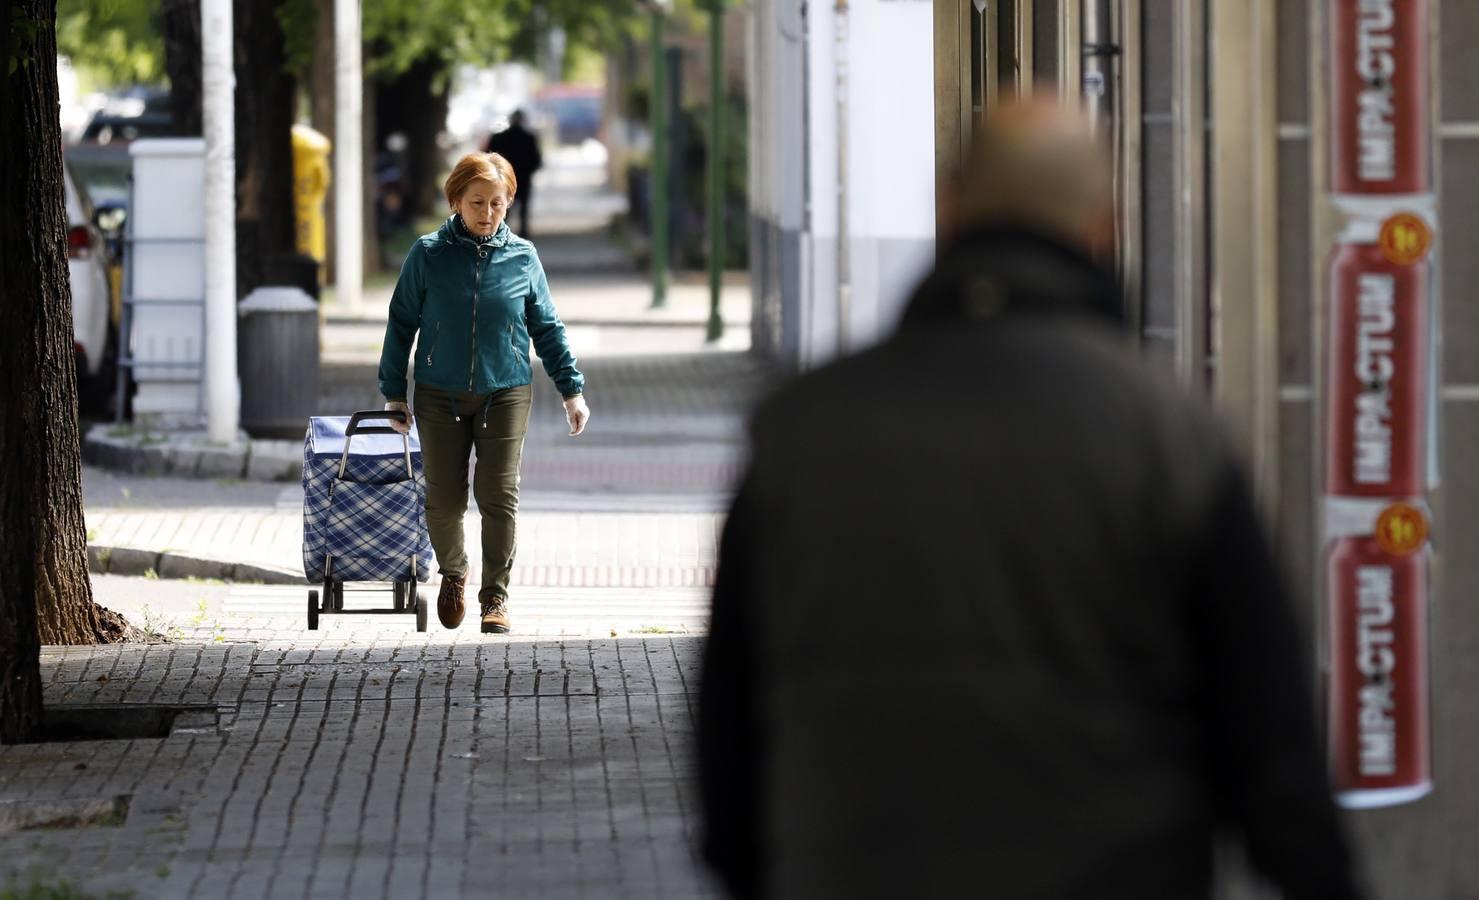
(364, 513)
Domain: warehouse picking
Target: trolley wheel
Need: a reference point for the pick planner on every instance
(398, 590)
(339, 596)
(313, 610)
(421, 609)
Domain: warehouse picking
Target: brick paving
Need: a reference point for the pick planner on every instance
(374, 765)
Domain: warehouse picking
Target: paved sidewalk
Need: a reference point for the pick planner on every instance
(358, 764)
(556, 549)
(633, 502)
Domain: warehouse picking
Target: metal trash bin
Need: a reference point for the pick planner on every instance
(277, 346)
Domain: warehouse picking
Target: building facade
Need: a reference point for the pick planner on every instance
(1267, 152)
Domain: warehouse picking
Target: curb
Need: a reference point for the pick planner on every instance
(164, 564)
(190, 455)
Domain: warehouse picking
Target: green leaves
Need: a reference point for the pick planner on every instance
(120, 41)
(398, 33)
(299, 21)
(112, 41)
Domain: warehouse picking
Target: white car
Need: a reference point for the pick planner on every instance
(92, 298)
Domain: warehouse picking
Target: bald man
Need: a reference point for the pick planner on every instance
(995, 616)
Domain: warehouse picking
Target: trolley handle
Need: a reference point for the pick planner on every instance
(393, 415)
(354, 428)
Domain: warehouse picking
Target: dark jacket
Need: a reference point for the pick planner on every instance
(472, 308)
(995, 617)
(520, 147)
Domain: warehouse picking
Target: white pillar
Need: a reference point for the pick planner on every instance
(842, 54)
(219, 106)
(348, 156)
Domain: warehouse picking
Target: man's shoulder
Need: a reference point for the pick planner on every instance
(804, 393)
(1078, 379)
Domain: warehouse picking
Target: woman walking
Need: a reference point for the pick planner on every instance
(473, 294)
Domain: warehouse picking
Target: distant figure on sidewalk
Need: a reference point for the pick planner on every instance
(995, 616)
(520, 147)
(472, 295)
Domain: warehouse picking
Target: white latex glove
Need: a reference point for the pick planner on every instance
(405, 408)
(577, 414)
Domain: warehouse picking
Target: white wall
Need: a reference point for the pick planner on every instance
(891, 158)
(794, 168)
(819, 242)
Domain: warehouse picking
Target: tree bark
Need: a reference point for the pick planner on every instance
(180, 25)
(265, 102)
(369, 190)
(321, 110)
(408, 104)
(45, 594)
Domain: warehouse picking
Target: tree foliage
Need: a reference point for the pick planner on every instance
(112, 41)
(119, 42)
(401, 32)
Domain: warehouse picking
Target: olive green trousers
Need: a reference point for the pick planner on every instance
(452, 425)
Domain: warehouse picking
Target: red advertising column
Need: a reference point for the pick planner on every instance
(1379, 97)
(1377, 375)
(1378, 703)
(1379, 402)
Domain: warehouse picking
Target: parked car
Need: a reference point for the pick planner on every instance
(100, 158)
(95, 304)
(575, 109)
(138, 113)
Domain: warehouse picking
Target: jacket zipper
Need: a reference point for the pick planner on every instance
(435, 336)
(477, 282)
(515, 347)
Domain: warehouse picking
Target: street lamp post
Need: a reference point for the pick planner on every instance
(658, 207)
(716, 167)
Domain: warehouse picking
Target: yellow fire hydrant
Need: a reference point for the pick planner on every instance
(310, 185)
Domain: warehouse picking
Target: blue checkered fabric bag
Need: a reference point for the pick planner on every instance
(370, 522)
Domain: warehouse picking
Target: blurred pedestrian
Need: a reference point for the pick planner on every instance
(473, 294)
(520, 147)
(995, 616)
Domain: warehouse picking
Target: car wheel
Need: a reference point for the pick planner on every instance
(96, 394)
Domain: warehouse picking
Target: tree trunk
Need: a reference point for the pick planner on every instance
(265, 102)
(369, 193)
(408, 104)
(321, 111)
(45, 594)
(180, 25)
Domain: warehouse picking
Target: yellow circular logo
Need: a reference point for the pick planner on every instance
(1405, 239)
(1401, 529)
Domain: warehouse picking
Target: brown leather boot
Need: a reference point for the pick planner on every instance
(451, 606)
(495, 616)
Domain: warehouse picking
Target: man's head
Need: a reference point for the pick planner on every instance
(517, 119)
(1037, 165)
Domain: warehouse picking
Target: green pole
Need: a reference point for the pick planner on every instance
(659, 168)
(717, 112)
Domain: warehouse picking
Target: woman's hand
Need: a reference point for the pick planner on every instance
(403, 407)
(576, 413)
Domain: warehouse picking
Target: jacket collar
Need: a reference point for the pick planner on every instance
(1008, 270)
(454, 232)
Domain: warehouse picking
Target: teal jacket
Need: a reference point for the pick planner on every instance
(473, 307)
